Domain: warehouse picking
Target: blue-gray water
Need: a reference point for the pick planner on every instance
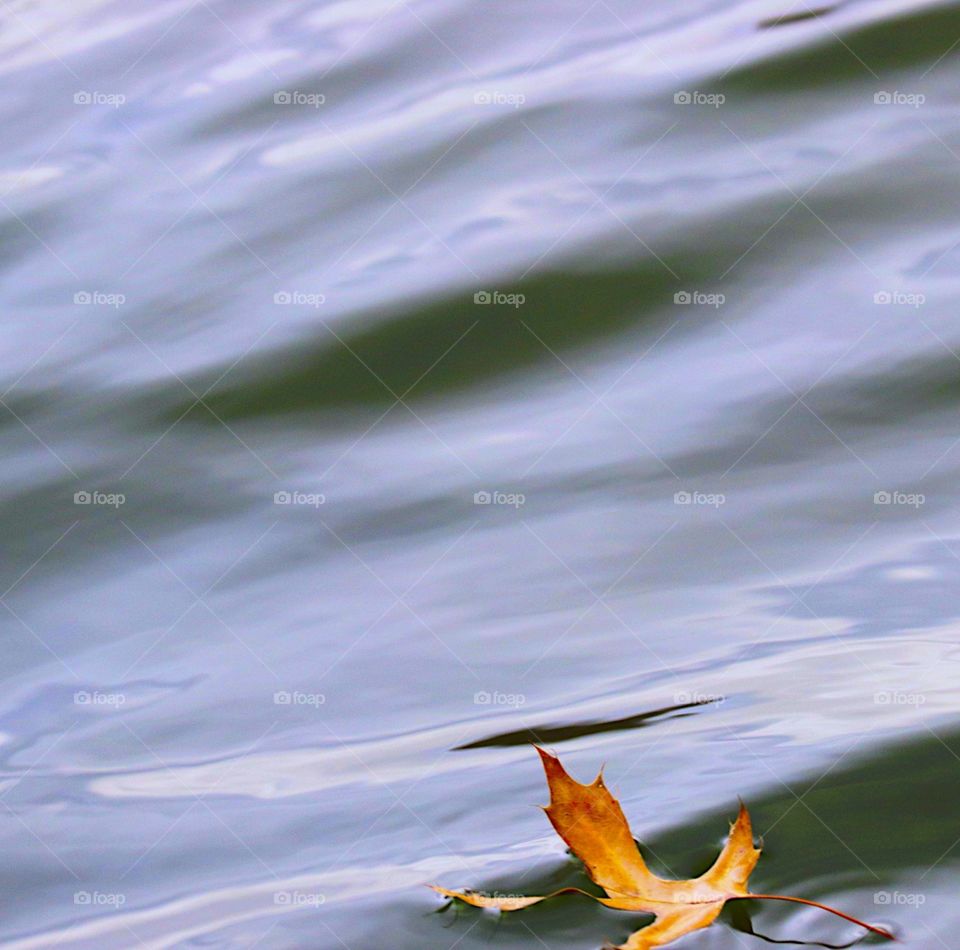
(671, 287)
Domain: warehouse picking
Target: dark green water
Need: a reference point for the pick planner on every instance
(386, 385)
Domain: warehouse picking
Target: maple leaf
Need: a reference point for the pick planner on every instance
(591, 822)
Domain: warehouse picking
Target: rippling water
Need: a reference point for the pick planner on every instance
(388, 384)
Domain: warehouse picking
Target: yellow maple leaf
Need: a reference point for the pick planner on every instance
(591, 822)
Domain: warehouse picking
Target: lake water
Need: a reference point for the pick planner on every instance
(389, 385)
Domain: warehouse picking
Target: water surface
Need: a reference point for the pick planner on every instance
(385, 385)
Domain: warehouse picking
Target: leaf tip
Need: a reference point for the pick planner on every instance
(442, 891)
(551, 765)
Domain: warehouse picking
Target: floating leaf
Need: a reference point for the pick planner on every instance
(591, 822)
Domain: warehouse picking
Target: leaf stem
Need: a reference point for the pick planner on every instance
(832, 910)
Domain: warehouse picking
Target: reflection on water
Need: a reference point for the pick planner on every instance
(542, 734)
(385, 387)
(916, 592)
